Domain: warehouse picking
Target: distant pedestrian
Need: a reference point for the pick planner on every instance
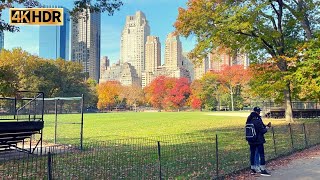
(257, 140)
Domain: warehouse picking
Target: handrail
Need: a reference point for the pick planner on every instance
(29, 103)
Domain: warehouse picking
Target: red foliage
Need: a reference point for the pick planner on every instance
(166, 92)
(195, 103)
(156, 92)
(178, 94)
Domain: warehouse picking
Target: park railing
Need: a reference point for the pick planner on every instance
(209, 154)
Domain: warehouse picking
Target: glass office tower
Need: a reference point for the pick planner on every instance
(54, 41)
(1, 40)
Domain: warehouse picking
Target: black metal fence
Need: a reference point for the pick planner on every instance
(201, 155)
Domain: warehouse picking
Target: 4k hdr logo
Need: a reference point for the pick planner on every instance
(36, 16)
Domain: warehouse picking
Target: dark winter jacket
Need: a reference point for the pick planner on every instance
(260, 128)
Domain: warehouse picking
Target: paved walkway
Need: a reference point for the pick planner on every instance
(298, 169)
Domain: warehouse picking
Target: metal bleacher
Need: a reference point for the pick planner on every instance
(299, 109)
(21, 121)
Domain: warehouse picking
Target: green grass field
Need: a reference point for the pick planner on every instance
(109, 126)
(154, 125)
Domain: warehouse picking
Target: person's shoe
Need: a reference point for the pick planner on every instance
(258, 170)
(265, 173)
(253, 171)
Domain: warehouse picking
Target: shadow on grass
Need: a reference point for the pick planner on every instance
(197, 155)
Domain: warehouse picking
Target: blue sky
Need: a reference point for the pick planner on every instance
(161, 15)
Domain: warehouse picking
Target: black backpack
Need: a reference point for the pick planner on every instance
(250, 130)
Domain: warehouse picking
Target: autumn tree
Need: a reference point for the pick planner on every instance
(263, 29)
(195, 98)
(205, 92)
(195, 103)
(307, 74)
(167, 92)
(211, 91)
(24, 71)
(91, 96)
(178, 94)
(32, 72)
(71, 81)
(108, 93)
(233, 78)
(8, 81)
(156, 92)
(133, 95)
(266, 78)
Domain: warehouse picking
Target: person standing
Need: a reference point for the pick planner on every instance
(258, 143)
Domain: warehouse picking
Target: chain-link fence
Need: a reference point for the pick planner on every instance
(203, 155)
(57, 110)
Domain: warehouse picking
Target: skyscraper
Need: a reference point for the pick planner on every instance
(220, 57)
(153, 59)
(104, 64)
(153, 54)
(1, 40)
(173, 52)
(188, 64)
(54, 41)
(85, 43)
(201, 68)
(133, 40)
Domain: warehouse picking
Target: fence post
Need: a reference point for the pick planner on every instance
(55, 120)
(15, 108)
(159, 159)
(291, 136)
(81, 128)
(217, 157)
(49, 166)
(305, 134)
(274, 141)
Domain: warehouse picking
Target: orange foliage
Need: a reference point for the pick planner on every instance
(107, 93)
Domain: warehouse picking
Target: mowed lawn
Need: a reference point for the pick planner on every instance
(108, 126)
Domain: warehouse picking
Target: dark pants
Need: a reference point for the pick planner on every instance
(257, 158)
(260, 149)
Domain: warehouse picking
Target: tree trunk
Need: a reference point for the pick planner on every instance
(219, 103)
(231, 94)
(288, 105)
(306, 26)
